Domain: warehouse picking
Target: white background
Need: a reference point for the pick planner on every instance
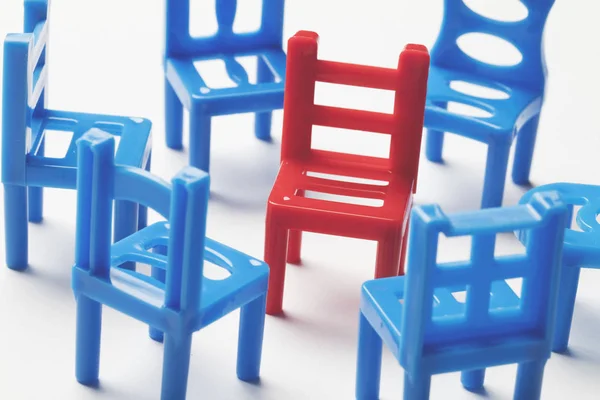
(105, 57)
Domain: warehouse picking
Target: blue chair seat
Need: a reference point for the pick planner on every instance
(134, 147)
(247, 281)
(188, 84)
(382, 304)
(507, 114)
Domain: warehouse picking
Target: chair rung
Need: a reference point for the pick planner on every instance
(360, 120)
(356, 75)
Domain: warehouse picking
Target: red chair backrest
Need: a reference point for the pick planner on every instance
(405, 125)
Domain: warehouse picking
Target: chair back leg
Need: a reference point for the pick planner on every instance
(15, 227)
(416, 388)
(529, 380)
(176, 365)
(88, 329)
(473, 380)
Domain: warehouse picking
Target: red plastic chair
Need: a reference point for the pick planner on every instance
(289, 212)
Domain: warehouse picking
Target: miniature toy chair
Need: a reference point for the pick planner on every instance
(184, 86)
(186, 301)
(516, 113)
(581, 250)
(432, 329)
(25, 122)
(288, 209)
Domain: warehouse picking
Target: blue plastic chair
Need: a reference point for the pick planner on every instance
(184, 86)
(523, 83)
(25, 120)
(176, 299)
(581, 250)
(431, 329)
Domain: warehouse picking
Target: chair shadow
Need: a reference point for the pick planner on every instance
(246, 185)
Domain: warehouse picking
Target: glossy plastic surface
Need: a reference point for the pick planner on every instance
(523, 84)
(463, 316)
(184, 86)
(177, 299)
(25, 122)
(581, 249)
(289, 212)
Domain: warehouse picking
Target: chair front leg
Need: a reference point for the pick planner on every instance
(495, 174)
(435, 140)
(200, 126)
(250, 341)
(567, 293)
(275, 255)
(173, 118)
(389, 250)
(368, 366)
(262, 120)
(524, 151)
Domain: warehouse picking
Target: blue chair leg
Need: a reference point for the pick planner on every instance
(473, 380)
(35, 203)
(368, 366)
(435, 141)
(200, 140)
(524, 151)
(89, 326)
(176, 365)
(416, 388)
(567, 292)
(495, 174)
(262, 120)
(143, 210)
(173, 118)
(15, 226)
(126, 222)
(250, 340)
(160, 275)
(36, 199)
(530, 376)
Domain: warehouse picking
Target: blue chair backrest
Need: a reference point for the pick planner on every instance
(179, 42)
(183, 202)
(544, 218)
(24, 89)
(526, 35)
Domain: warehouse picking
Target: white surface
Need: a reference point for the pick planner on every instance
(105, 57)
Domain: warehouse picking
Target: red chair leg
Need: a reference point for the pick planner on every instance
(403, 246)
(294, 246)
(295, 241)
(388, 255)
(275, 253)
